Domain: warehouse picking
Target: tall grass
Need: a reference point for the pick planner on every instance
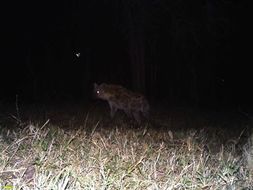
(101, 154)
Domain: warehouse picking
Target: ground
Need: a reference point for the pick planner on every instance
(78, 146)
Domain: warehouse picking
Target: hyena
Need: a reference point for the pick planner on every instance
(119, 98)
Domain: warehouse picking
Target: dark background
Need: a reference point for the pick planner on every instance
(177, 51)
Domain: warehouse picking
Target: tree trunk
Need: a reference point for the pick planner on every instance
(135, 22)
(136, 49)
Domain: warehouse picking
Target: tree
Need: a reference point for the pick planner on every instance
(134, 19)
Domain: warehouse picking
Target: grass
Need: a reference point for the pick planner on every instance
(77, 149)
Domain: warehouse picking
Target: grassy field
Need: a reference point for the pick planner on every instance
(79, 147)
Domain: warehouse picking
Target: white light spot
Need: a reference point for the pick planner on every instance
(78, 54)
(97, 91)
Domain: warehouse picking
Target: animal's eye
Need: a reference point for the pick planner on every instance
(97, 91)
(78, 54)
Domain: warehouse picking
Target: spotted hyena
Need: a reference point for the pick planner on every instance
(119, 98)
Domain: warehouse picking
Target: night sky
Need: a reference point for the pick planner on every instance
(185, 52)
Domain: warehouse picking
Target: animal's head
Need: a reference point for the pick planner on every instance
(100, 91)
